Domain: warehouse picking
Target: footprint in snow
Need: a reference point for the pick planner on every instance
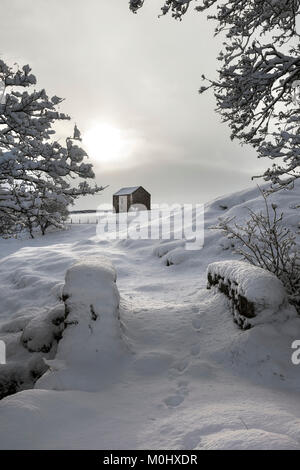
(181, 365)
(195, 350)
(197, 323)
(191, 440)
(173, 401)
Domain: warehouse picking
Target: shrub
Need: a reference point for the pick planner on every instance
(264, 241)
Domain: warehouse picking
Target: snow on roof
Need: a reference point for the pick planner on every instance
(124, 191)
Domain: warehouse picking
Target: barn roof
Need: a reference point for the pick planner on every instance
(125, 191)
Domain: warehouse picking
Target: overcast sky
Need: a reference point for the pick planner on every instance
(139, 75)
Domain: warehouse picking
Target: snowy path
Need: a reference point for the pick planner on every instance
(191, 378)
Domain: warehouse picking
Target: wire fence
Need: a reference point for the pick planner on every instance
(83, 219)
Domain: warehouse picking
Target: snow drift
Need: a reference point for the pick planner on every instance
(164, 366)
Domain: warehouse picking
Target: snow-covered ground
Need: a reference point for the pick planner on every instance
(172, 371)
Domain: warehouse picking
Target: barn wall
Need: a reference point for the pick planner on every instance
(116, 203)
(141, 196)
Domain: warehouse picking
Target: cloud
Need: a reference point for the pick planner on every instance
(140, 74)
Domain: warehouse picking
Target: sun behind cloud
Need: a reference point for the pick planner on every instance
(107, 144)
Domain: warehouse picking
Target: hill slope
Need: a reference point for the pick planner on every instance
(188, 379)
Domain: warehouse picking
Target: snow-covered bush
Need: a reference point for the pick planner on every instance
(264, 241)
(36, 170)
(255, 294)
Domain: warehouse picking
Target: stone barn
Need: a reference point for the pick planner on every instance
(126, 197)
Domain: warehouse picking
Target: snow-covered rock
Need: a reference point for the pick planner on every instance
(177, 256)
(17, 376)
(252, 290)
(92, 339)
(30, 338)
(163, 248)
(42, 332)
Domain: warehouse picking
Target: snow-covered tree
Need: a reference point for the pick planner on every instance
(36, 171)
(260, 69)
